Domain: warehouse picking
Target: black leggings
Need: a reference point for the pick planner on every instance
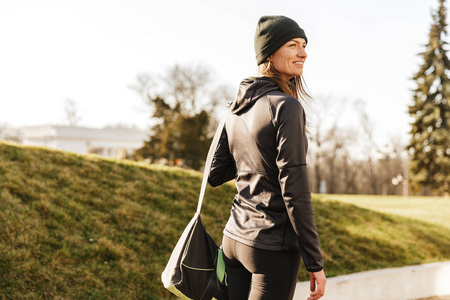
(259, 274)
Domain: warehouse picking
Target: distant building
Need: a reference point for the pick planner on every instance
(108, 142)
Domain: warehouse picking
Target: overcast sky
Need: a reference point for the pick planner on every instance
(91, 52)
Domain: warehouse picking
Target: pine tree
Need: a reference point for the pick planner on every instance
(429, 146)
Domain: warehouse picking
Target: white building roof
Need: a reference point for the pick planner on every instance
(111, 142)
(56, 131)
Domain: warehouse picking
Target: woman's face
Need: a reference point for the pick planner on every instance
(289, 59)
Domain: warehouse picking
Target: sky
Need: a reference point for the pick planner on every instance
(92, 51)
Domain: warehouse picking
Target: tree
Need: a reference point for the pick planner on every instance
(70, 107)
(369, 168)
(9, 133)
(429, 145)
(331, 141)
(344, 156)
(324, 114)
(183, 115)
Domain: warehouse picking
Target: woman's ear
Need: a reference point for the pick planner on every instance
(269, 58)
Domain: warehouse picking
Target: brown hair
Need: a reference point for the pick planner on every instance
(295, 88)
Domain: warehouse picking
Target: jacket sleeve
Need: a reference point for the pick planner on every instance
(223, 167)
(294, 182)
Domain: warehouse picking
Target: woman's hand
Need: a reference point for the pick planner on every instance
(317, 284)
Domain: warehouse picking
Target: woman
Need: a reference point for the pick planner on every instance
(263, 146)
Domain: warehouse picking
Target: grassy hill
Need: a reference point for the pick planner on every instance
(75, 227)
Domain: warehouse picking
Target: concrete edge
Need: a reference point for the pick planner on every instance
(404, 283)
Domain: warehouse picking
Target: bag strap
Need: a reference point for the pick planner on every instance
(209, 158)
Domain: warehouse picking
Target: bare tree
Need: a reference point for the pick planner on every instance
(9, 133)
(391, 167)
(188, 86)
(369, 148)
(341, 140)
(145, 86)
(350, 173)
(182, 104)
(325, 115)
(344, 154)
(71, 110)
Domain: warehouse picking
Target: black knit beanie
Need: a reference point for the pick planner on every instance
(273, 32)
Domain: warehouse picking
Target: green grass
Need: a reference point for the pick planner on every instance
(75, 227)
(430, 209)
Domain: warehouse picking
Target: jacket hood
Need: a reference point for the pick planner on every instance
(250, 90)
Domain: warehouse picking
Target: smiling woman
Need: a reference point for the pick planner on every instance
(263, 147)
(289, 59)
(283, 63)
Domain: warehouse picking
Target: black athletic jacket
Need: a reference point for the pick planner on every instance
(263, 146)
